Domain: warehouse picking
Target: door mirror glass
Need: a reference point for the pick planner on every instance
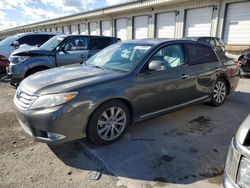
(156, 65)
(15, 44)
(59, 48)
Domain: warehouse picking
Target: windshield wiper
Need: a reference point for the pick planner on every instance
(99, 67)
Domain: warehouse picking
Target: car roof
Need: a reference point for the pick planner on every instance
(69, 35)
(156, 41)
(38, 33)
(197, 38)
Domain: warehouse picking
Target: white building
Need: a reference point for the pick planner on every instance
(227, 19)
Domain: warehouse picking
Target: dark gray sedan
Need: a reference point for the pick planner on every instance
(122, 84)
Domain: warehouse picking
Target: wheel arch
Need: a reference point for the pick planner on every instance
(43, 67)
(121, 99)
(227, 82)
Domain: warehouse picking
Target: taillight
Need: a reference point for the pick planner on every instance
(238, 63)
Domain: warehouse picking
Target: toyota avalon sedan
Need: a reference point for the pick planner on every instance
(124, 83)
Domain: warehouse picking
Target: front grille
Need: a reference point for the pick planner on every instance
(24, 98)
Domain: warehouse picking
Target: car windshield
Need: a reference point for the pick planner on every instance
(8, 40)
(52, 43)
(120, 56)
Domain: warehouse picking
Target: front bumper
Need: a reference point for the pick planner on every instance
(67, 122)
(17, 71)
(228, 183)
(235, 154)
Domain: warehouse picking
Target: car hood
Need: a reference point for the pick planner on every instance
(63, 79)
(32, 51)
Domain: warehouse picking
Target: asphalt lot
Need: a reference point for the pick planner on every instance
(186, 148)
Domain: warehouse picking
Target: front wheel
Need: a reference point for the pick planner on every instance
(219, 93)
(108, 123)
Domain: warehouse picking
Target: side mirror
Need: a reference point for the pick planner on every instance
(156, 65)
(15, 44)
(59, 48)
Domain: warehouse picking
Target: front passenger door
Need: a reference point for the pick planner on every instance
(74, 51)
(165, 89)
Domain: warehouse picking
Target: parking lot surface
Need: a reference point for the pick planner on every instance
(186, 148)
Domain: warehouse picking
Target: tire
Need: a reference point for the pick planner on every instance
(101, 126)
(219, 93)
(34, 70)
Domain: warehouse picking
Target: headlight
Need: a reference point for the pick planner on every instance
(232, 161)
(243, 178)
(48, 101)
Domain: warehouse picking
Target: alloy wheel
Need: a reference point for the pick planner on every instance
(220, 92)
(111, 123)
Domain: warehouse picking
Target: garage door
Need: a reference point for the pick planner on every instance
(198, 22)
(66, 29)
(74, 29)
(92, 28)
(53, 29)
(165, 25)
(121, 28)
(140, 27)
(59, 29)
(106, 28)
(83, 29)
(237, 25)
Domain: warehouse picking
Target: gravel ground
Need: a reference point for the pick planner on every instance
(25, 163)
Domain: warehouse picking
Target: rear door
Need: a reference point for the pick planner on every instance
(75, 51)
(165, 89)
(203, 65)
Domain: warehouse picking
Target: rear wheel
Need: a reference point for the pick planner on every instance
(108, 123)
(219, 93)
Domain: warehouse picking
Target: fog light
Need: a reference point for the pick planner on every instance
(54, 136)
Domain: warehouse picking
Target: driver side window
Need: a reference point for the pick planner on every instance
(76, 44)
(171, 55)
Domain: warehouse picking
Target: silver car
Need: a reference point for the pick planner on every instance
(10, 44)
(237, 171)
(60, 50)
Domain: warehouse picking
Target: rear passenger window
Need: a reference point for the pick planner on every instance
(198, 54)
(221, 55)
(100, 43)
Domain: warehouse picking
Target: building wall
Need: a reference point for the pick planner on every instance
(150, 8)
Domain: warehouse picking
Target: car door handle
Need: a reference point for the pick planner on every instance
(81, 56)
(185, 76)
